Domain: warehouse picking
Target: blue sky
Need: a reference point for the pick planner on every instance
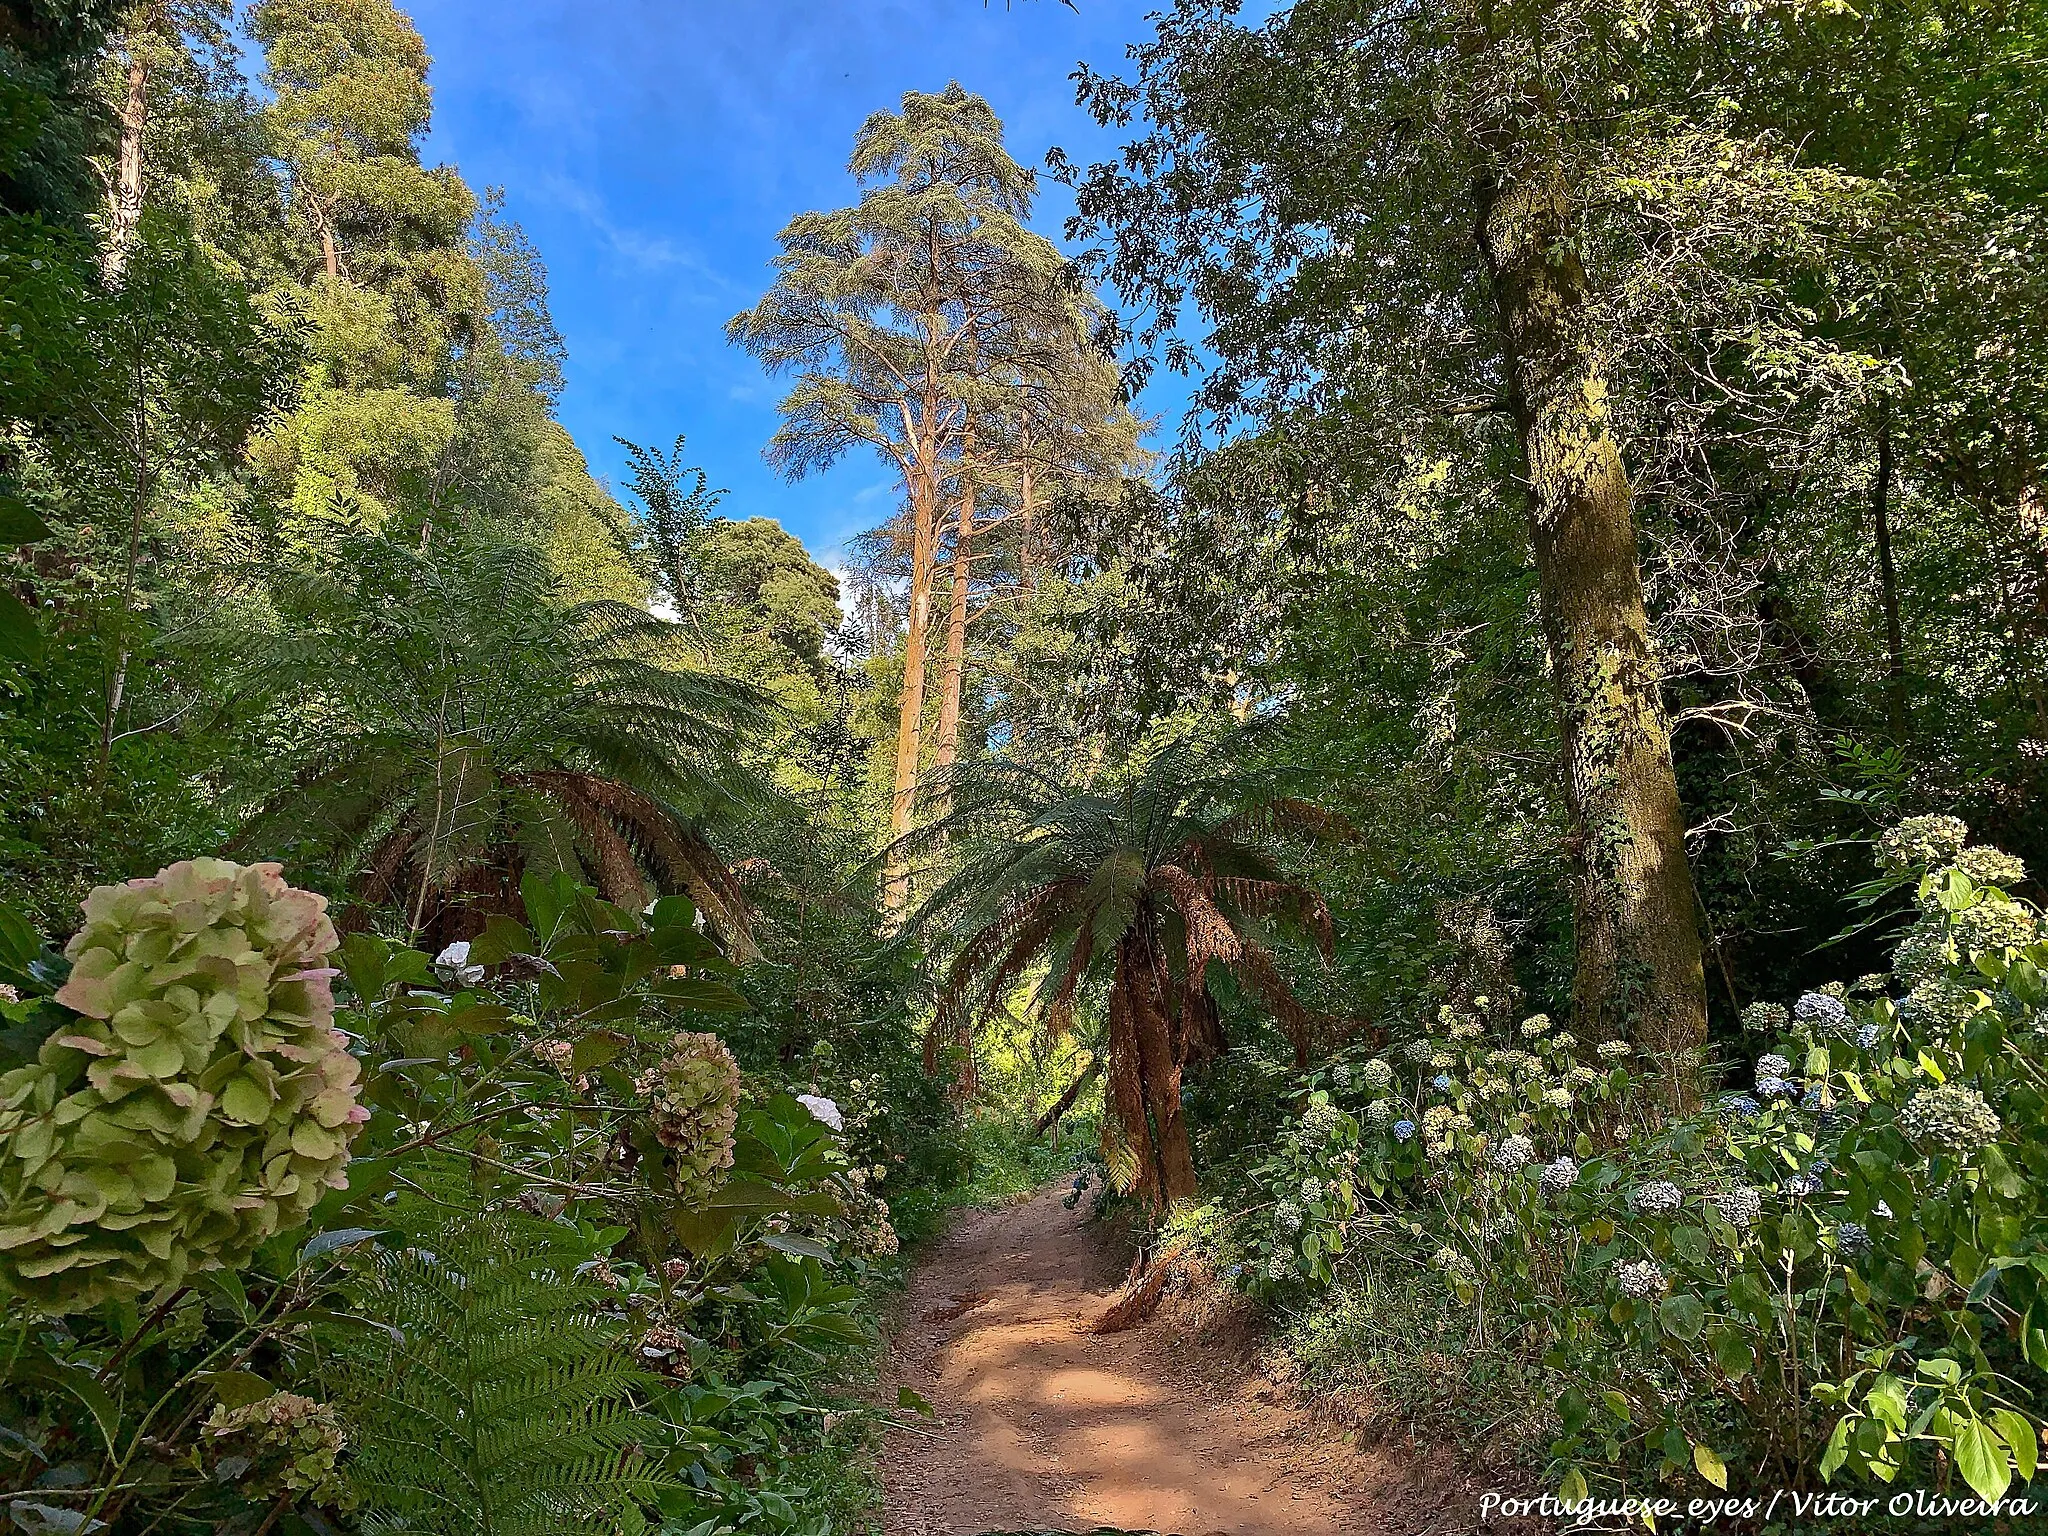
(652, 150)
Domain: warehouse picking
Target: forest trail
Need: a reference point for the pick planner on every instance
(1043, 1426)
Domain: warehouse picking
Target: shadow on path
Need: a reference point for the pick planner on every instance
(1042, 1427)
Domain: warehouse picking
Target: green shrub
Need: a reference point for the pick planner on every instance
(200, 1101)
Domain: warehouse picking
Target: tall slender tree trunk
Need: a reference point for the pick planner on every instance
(124, 196)
(1888, 580)
(910, 713)
(1639, 968)
(1027, 514)
(952, 674)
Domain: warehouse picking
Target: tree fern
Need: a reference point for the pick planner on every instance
(504, 1406)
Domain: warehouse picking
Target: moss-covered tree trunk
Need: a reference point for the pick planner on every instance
(1639, 968)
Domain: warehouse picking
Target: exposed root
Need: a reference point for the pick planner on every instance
(1139, 1301)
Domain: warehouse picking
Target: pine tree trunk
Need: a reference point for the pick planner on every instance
(952, 674)
(1639, 968)
(1027, 539)
(910, 714)
(124, 197)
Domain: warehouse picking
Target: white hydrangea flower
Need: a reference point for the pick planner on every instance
(1924, 953)
(1560, 1174)
(1939, 1006)
(823, 1109)
(1740, 1207)
(1514, 1154)
(1765, 1018)
(1535, 1026)
(1659, 1197)
(453, 967)
(1376, 1076)
(1611, 1050)
(1991, 926)
(1640, 1278)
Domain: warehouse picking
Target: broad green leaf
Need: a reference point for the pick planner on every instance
(1838, 1449)
(1981, 1458)
(238, 1389)
(1733, 1354)
(20, 639)
(800, 1247)
(2020, 1439)
(19, 522)
(1710, 1466)
(1683, 1316)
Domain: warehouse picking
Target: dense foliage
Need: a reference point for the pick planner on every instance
(542, 957)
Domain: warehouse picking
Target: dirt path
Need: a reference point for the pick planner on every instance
(1041, 1425)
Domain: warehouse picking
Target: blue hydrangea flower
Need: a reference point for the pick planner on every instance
(1852, 1238)
(1441, 1082)
(1822, 1013)
(1403, 1129)
(1774, 1088)
(1739, 1106)
(1868, 1036)
(1811, 1099)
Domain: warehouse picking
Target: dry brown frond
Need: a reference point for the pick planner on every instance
(1303, 818)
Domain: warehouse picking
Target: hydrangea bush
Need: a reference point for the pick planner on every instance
(199, 1102)
(1839, 1264)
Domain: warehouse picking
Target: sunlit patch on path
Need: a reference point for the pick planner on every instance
(1042, 1428)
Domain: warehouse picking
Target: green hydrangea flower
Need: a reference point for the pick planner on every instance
(283, 1445)
(1951, 1118)
(1991, 926)
(1921, 842)
(693, 1099)
(1985, 865)
(201, 1102)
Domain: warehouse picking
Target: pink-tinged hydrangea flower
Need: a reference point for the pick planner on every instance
(201, 1102)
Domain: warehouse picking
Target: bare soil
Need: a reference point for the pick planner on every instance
(1043, 1426)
